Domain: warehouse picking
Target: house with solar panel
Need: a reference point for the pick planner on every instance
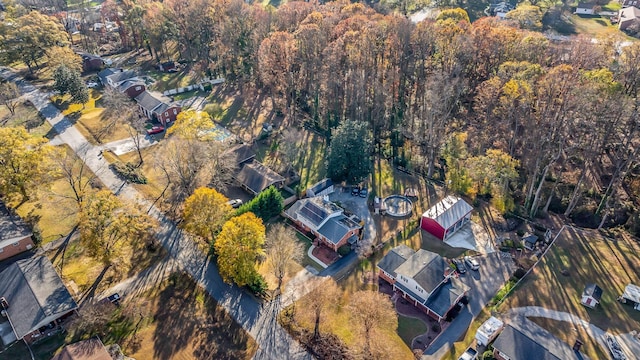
(326, 221)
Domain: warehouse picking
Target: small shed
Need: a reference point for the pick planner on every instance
(446, 217)
(631, 295)
(529, 241)
(591, 295)
(585, 9)
(323, 187)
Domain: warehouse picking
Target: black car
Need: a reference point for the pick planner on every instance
(355, 191)
(460, 266)
(363, 193)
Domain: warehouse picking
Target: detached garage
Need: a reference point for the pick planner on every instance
(446, 217)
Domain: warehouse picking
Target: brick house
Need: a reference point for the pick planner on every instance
(157, 107)
(423, 278)
(255, 177)
(15, 234)
(530, 341)
(132, 87)
(90, 349)
(326, 221)
(34, 299)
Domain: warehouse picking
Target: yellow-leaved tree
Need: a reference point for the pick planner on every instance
(107, 226)
(239, 246)
(23, 161)
(205, 211)
(193, 125)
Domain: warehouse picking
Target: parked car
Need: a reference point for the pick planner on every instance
(364, 193)
(469, 354)
(155, 130)
(460, 266)
(355, 191)
(472, 263)
(235, 203)
(92, 84)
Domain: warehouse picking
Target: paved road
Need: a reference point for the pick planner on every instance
(274, 342)
(484, 283)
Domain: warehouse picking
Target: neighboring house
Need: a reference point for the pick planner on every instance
(446, 217)
(627, 3)
(323, 187)
(488, 331)
(256, 177)
(529, 241)
(91, 62)
(102, 75)
(114, 77)
(627, 17)
(500, 9)
(91, 349)
(132, 87)
(532, 343)
(157, 107)
(34, 298)
(424, 278)
(326, 221)
(631, 295)
(15, 234)
(591, 295)
(169, 66)
(585, 9)
(241, 153)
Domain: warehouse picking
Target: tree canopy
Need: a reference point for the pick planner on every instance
(265, 205)
(349, 154)
(205, 211)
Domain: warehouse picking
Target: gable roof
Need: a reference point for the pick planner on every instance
(424, 267)
(121, 76)
(445, 296)
(448, 211)
(35, 293)
(629, 13)
(149, 100)
(102, 75)
(529, 341)
(530, 238)
(91, 349)
(336, 228)
(593, 290)
(632, 292)
(241, 153)
(129, 83)
(321, 185)
(257, 177)
(12, 227)
(394, 258)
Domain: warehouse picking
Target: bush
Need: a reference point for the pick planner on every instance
(344, 250)
(266, 205)
(129, 172)
(258, 286)
(487, 355)
(519, 273)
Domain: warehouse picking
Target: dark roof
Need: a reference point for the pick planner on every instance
(34, 292)
(12, 228)
(322, 185)
(313, 213)
(425, 267)
(526, 343)
(257, 177)
(102, 75)
(129, 83)
(334, 230)
(241, 153)
(593, 290)
(394, 258)
(121, 76)
(445, 296)
(530, 238)
(148, 101)
(91, 349)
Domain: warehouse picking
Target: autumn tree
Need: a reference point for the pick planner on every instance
(239, 246)
(118, 110)
(205, 211)
(62, 55)
(23, 161)
(528, 16)
(321, 298)
(107, 226)
(69, 81)
(9, 96)
(265, 205)
(372, 312)
(283, 249)
(349, 154)
(455, 154)
(73, 169)
(193, 125)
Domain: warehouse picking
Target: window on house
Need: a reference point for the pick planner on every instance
(1, 250)
(16, 243)
(175, 111)
(137, 88)
(166, 113)
(503, 355)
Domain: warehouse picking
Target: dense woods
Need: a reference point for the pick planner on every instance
(563, 114)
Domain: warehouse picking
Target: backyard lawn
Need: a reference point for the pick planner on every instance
(26, 115)
(409, 328)
(579, 258)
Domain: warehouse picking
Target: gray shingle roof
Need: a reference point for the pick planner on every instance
(593, 290)
(34, 292)
(394, 258)
(445, 296)
(148, 100)
(102, 75)
(121, 76)
(425, 267)
(321, 185)
(129, 83)
(528, 341)
(448, 211)
(333, 230)
(241, 153)
(12, 228)
(257, 177)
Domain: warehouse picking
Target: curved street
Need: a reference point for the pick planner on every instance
(260, 321)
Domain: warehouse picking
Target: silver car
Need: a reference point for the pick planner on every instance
(472, 263)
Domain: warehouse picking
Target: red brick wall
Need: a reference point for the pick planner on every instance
(11, 250)
(168, 116)
(384, 276)
(496, 355)
(132, 92)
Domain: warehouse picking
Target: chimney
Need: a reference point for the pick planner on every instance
(577, 345)
(4, 304)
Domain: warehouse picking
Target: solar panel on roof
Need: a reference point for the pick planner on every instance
(313, 213)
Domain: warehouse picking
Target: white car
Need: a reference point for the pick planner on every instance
(472, 263)
(470, 354)
(92, 84)
(235, 203)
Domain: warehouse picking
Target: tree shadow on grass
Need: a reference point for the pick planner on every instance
(91, 291)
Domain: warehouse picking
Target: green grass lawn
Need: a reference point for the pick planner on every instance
(612, 6)
(409, 328)
(306, 260)
(26, 115)
(167, 81)
(42, 350)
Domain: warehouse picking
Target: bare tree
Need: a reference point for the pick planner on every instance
(320, 299)
(117, 107)
(76, 174)
(134, 124)
(372, 311)
(282, 250)
(187, 164)
(288, 145)
(92, 319)
(9, 96)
